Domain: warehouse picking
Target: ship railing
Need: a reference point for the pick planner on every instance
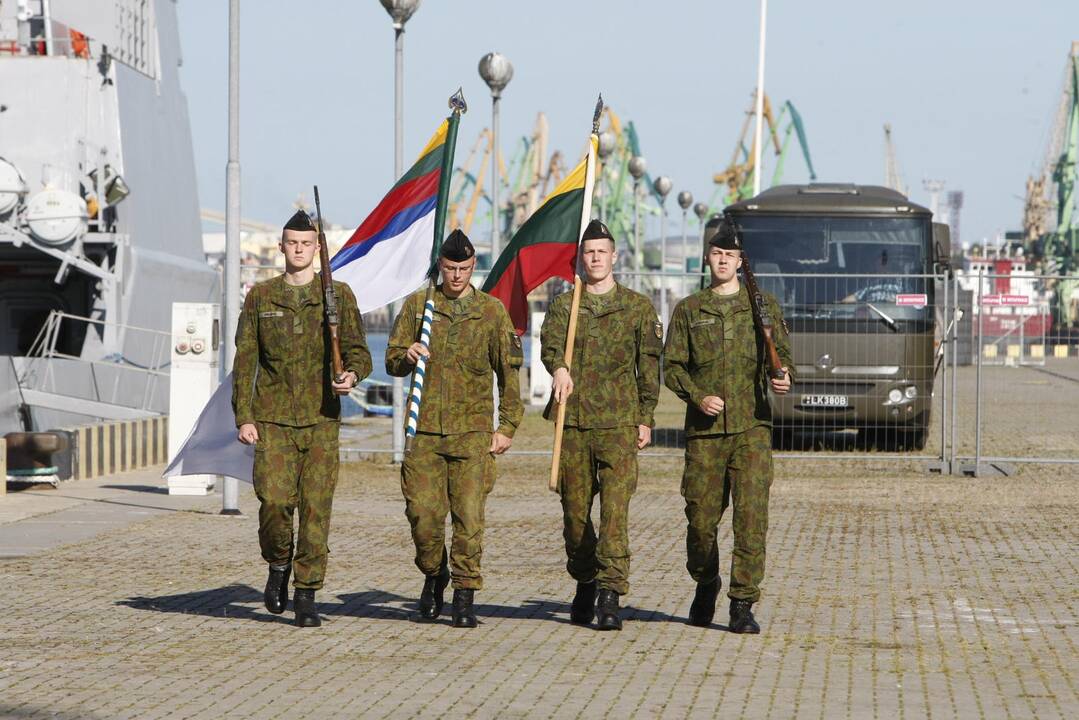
(112, 379)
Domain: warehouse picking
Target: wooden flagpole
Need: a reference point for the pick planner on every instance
(571, 334)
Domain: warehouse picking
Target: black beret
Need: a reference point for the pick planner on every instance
(711, 228)
(457, 247)
(728, 236)
(596, 230)
(300, 221)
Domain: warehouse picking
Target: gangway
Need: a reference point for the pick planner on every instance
(111, 388)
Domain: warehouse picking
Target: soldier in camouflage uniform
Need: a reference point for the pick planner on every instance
(450, 467)
(714, 361)
(615, 371)
(287, 406)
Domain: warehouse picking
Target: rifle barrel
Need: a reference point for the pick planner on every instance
(329, 304)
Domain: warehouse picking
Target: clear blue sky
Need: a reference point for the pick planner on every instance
(969, 90)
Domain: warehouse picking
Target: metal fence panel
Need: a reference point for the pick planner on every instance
(962, 372)
(1018, 402)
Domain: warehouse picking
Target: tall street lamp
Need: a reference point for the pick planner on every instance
(662, 185)
(400, 11)
(701, 211)
(497, 72)
(230, 489)
(607, 143)
(758, 133)
(685, 199)
(637, 167)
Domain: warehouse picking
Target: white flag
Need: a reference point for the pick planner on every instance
(212, 447)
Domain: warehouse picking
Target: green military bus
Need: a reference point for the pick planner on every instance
(853, 267)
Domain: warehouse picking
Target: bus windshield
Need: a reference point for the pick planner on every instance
(834, 268)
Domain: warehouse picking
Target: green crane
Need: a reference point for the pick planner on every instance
(1059, 248)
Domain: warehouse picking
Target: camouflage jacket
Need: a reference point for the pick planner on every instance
(713, 348)
(466, 346)
(615, 367)
(281, 373)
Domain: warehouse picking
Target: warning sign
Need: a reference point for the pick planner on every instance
(918, 300)
(1005, 300)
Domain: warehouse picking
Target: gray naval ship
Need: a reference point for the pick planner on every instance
(99, 217)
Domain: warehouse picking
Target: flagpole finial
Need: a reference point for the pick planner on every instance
(596, 115)
(457, 103)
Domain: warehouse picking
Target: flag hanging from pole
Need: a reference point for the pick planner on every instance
(545, 246)
(385, 259)
(381, 261)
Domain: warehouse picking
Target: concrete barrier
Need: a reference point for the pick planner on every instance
(109, 448)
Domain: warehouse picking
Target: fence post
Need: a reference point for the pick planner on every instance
(978, 380)
(955, 373)
(948, 321)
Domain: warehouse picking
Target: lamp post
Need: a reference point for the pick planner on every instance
(400, 11)
(662, 185)
(701, 211)
(607, 143)
(685, 199)
(637, 167)
(230, 489)
(497, 72)
(758, 133)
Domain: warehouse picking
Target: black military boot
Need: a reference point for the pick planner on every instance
(703, 608)
(742, 621)
(303, 603)
(463, 615)
(609, 619)
(275, 596)
(433, 595)
(584, 604)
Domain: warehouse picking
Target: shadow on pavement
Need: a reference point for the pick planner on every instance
(636, 614)
(230, 601)
(139, 488)
(528, 610)
(244, 602)
(39, 711)
(370, 604)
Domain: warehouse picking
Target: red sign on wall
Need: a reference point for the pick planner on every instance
(919, 300)
(1005, 300)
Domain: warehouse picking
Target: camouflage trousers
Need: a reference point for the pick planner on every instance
(720, 469)
(296, 468)
(602, 461)
(448, 474)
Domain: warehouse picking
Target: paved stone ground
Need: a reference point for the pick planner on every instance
(889, 594)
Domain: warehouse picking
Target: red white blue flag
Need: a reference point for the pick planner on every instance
(387, 257)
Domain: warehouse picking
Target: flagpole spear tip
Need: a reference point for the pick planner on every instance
(457, 102)
(596, 115)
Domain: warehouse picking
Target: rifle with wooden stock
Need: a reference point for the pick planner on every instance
(329, 297)
(762, 320)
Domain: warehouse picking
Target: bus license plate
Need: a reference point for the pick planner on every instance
(836, 401)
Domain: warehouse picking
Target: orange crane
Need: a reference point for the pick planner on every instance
(738, 175)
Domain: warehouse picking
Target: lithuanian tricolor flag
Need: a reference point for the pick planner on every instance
(546, 245)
